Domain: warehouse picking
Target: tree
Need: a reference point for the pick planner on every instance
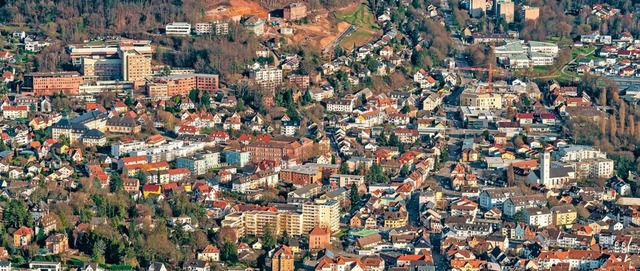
(268, 239)
(116, 183)
(404, 170)
(393, 140)
(382, 139)
(284, 239)
(142, 177)
(17, 214)
(377, 175)
(354, 195)
(194, 95)
(229, 253)
(519, 216)
(344, 168)
(64, 140)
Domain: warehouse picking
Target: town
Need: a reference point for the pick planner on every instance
(319, 135)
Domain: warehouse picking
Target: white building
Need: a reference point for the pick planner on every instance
(178, 29)
(537, 216)
(551, 177)
(203, 28)
(340, 105)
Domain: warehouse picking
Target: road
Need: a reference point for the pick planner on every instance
(346, 33)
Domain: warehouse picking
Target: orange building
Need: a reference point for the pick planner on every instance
(282, 259)
(277, 149)
(48, 83)
(22, 237)
(181, 85)
(319, 238)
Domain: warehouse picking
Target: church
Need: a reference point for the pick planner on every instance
(551, 176)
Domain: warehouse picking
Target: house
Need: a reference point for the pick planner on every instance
(57, 243)
(22, 237)
(423, 79)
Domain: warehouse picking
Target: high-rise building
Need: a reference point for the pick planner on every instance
(135, 66)
(321, 212)
(101, 68)
(531, 13)
(282, 259)
(506, 11)
(477, 8)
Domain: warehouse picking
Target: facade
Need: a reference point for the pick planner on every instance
(537, 216)
(507, 11)
(48, 83)
(237, 158)
(481, 100)
(282, 259)
(268, 77)
(564, 215)
(319, 238)
(15, 112)
(340, 105)
(178, 29)
(101, 68)
(477, 8)
(136, 66)
(324, 213)
(203, 28)
(181, 85)
(531, 13)
(295, 11)
(199, 163)
(255, 25)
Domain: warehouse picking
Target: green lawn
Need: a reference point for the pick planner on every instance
(362, 17)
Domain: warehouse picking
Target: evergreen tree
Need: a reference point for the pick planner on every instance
(393, 140)
(404, 171)
(354, 195)
(229, 253)
(284, 239)
(115, 183)
(377, 175)
(268, 239)
(382, 139)
(344, 168)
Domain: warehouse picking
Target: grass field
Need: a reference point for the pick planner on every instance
(362, 17)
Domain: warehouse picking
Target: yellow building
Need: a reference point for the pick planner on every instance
(395, 219)
(564, 215)
(481, 100)
(531, 13)
(135, 66)
(282, 259)
(321, 213)
(255, 222)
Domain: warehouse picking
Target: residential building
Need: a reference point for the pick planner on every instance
(210, 254)
(181, 85)
(282, 259)
(319, 238)
(477, 8)
(495, 197)
(340, 105)
(57, 243)
(199, 163)
(22, 237)
(564, 215)
(320, 212)
(481, 100)
(537, 216)
(295, 11)
(203, 28)
(255, 25)
(15, 112)
(531, 13)
(237, 157)
(267, 77)
(178, 29)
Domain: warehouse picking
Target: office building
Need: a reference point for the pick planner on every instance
(135, 66)
(48, 83)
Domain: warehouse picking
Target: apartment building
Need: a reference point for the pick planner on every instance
(267, 77)
(481, 100)
(307, 174)
(178, 29)
(340, 105)
(199, 163)
(221, 28)
(506, 10)
(15, 112)
(295, 11)
(321, 213)
(48, 83)
(537, 216)
(298, 80)
(203, 28)
(564, 215)
(531, 13)
(255, 25)
(477, 8)
(255, 222)
(181, 85)
(346, 180)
